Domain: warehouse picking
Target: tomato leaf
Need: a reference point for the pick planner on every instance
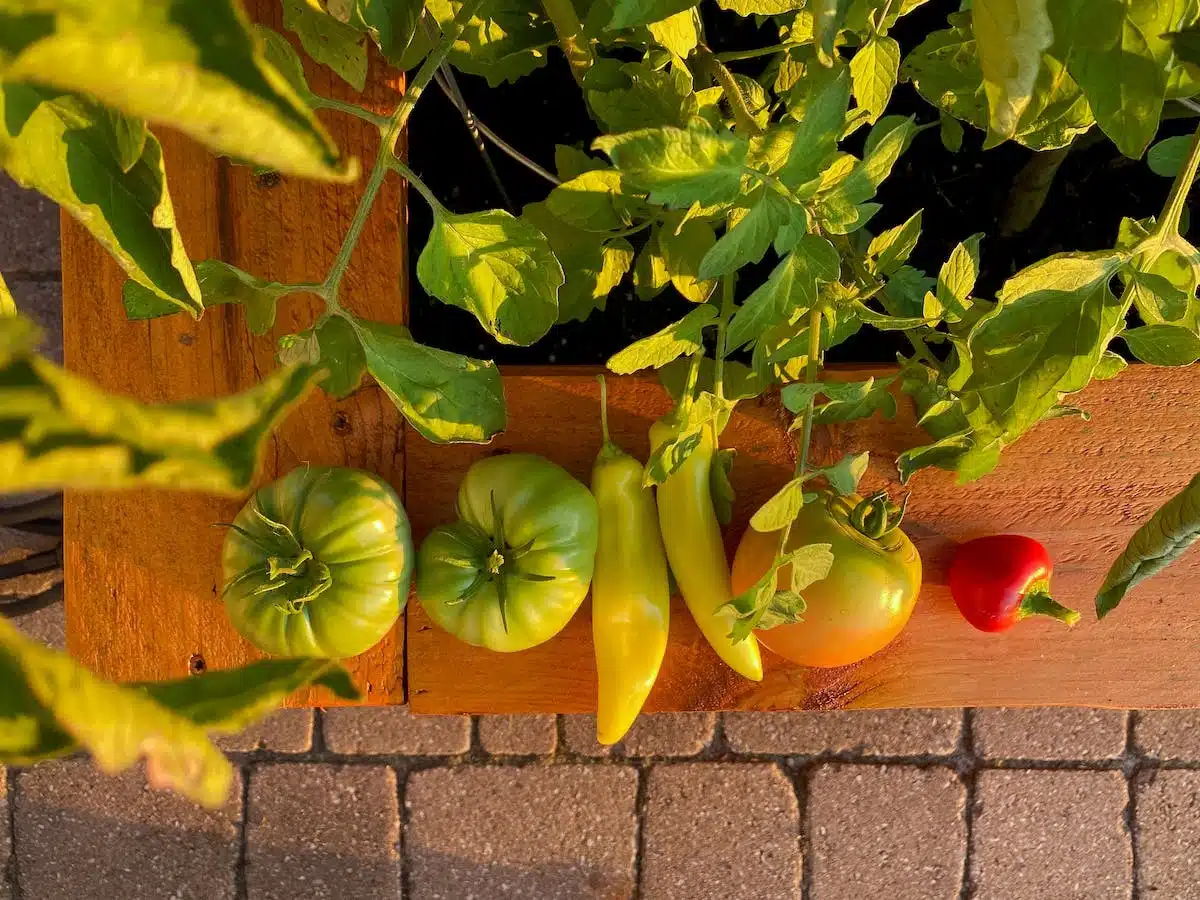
(782, 508)
(940, 453)
(327, 40)
(956, 280)
(196, 67)
(874, 70)
(8, 306)
(1166, 157)
(682, 250)
(497, 267)
(1010, 37)
(679, 33)
(219, 283)
(503, 41)
(627, 13)
(828, 18)
(682, 338)
(748, 241)
(642, 97)
(890, 249)
(740, 381)
(595, 201)
(820, 102)
(679, 167)
(392, 25)
(62, 431)
(446, 397)
(848, 400)
(844, 475)
(765, 606)
(1163, 344)
(1153, 547)
(332, 346)
(65, 147)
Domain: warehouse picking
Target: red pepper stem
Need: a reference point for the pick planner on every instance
(1038, 602)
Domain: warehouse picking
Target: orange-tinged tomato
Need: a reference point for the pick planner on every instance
(859, 608)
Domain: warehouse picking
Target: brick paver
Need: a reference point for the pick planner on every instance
(41, 301)
(720, 831)
(552, 833)
(1168, 733)
(28, 231)
(886, 831)
(82, 834)
(518, 735)
(899, 732)
(394, 730)
(669, 734)
(1049, 733)
(579, 736)
(1041, 834)
(321, 832)
(5, 837)
(1168, 829)
(283, 731)
(48, 625)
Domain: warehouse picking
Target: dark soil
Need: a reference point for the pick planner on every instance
(961, 193)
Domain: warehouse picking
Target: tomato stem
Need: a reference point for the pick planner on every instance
(1168, 222)
(604, 411)
(1038, 602)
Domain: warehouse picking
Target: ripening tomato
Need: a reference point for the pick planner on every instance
(515, 567)
(318, 563)
(868, 596)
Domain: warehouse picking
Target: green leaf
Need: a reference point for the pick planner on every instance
(595, 201)
(327, 40)
(650, 274)
(279, 52)
(884, 322)
(231, 699)
(790, 288)
(940, 453)
(679, 33)
(782, 508)
(820, 100)
(747, 8)
(8, 306)
(1163, 345)
(1166, 157)
(57, 430)
(1110, 366)
(764, 606)
(828, 18)
(1119, 55)
(951, 132)
(497, 267)
(645, 98)
(679, 167)
(848, 400)
(890, 249)
(955, 282)
(844, 475)
(502, 41)
(945, 70)
(706, 412)
(844, 209)
(194, 65)
(748, 241)
(392, 25)
(683, 338)
(65, 147)
(591, 268)
(334, 347)
(874, 70)
(720, 486)
(1010, 37)
(628, 13)
(682, 250)
(219, 283)
(1043, 340)
(1153, 547)
(446, 397)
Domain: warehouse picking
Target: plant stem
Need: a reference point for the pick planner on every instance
(377, 119)
(387, 150)
(689, 386)
(810, 375)
(1173, 209)
(737, 55)
(603, 410)
(398, 166)
(571, 38)
(728, 285)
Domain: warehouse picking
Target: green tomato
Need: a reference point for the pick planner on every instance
(515, 567)
(318, 563)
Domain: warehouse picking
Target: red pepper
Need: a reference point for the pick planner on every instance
(1001, 579)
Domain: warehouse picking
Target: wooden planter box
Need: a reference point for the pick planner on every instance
(142, 568)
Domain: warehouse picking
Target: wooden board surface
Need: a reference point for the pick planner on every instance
(1080, 487)
(142, 567)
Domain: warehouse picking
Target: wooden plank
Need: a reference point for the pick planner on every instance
(1080, 487)
(142, 568)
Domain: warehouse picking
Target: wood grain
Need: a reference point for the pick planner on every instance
(142, 568)
(1082, 488)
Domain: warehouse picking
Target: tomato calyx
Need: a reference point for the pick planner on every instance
(877, 516)
(292, 569)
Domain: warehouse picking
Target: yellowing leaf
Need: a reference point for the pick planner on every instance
(681, 338)
(1010, 36)
(327, 40)
(874, 69)
(497, 267)
(679, 33)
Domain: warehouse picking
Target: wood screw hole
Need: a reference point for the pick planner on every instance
(267, 179)
(196, 664)
(341, 423)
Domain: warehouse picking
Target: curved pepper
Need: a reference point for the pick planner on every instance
(631, 594)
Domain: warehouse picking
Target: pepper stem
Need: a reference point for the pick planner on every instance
(1038, 602)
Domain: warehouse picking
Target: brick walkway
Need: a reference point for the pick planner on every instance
(363, 804)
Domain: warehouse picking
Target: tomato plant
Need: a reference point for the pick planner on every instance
(515, 567)
(318, 563)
